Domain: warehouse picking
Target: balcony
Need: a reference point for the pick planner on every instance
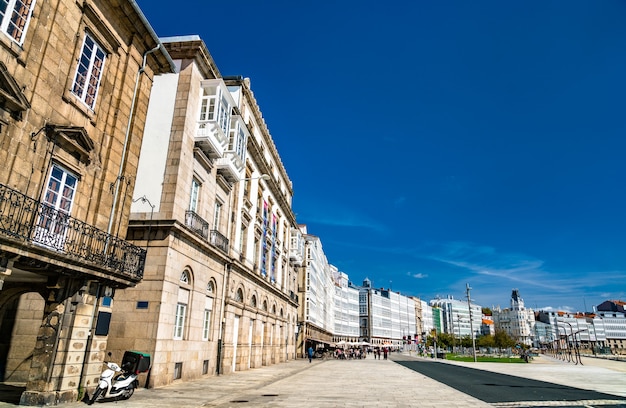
(295, 257)
(211, 139)
(197, 224)
(230, 166)
(29, 221)
(219, 241)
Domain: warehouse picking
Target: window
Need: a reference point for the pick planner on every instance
(181, 307)
(239, 295)
(215, 107)
(179, 322)
(206, 324)
(217, 214)
(195, 189)
(178, 371)
(89, 72)
(57, 199)
(184, 277)
(15, 16)
(237, 138)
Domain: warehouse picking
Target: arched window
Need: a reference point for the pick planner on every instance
(184, 277)
(208, 310)
(239, 295)
(265, 305)
(180, 319)
(253, 301)
(273, 309)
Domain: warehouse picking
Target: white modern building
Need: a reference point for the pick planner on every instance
(459, 318)
(614, 325)
(346, 309)
(316, 291)
(386, 316)
(428, 323)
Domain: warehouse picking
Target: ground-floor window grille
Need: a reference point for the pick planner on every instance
(178, 371)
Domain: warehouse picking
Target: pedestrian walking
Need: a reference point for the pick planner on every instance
(310, 353)
(385, 353)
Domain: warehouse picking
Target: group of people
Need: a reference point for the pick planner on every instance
(377, 352)
(351, 353)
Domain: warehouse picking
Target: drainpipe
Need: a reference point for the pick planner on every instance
(220, 339)
(127, 137)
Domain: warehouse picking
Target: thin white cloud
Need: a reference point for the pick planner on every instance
(417, 275)
(341, 217)
(493, 274)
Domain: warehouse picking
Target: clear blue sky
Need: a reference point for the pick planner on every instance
(437, 143)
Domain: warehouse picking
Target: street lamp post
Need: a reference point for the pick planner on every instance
(469, 306)
(458, 319)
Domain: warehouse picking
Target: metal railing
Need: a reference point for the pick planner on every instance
(28, 220)
(218, 240)
(197, 224)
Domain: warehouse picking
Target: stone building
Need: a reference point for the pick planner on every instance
(213, 208)
(517, 321)
(75, 79)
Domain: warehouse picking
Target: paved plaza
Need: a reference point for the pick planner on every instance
(368, 383)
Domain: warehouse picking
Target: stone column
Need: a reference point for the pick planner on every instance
(57, 364)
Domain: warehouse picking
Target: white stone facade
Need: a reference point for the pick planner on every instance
(517, 321)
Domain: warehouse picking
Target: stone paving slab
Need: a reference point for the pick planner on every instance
(364, 383)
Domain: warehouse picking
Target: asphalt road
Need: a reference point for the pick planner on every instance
(501, 388)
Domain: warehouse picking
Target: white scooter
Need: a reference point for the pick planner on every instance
(121, 386)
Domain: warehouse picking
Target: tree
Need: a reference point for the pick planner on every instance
(445, 340)
(487, 312)
(503, 340)
(485, 341)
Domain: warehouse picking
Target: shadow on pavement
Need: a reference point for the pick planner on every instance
(11, 393)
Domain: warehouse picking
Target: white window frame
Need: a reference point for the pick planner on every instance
(88, 75)
(179, 322)
(217, 215)
(16, 11)
(215, 106)
(206, 324)
(195, 193)
(58, 199)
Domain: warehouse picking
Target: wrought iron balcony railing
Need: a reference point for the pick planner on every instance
(197, 224)
(26, 219)
(219, 240)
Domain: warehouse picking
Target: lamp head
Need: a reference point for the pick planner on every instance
(261, 177)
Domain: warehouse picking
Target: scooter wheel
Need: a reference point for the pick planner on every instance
(95, 396)
(128, 392)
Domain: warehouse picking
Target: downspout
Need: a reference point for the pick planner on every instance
(220, 339)
(127, 137)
